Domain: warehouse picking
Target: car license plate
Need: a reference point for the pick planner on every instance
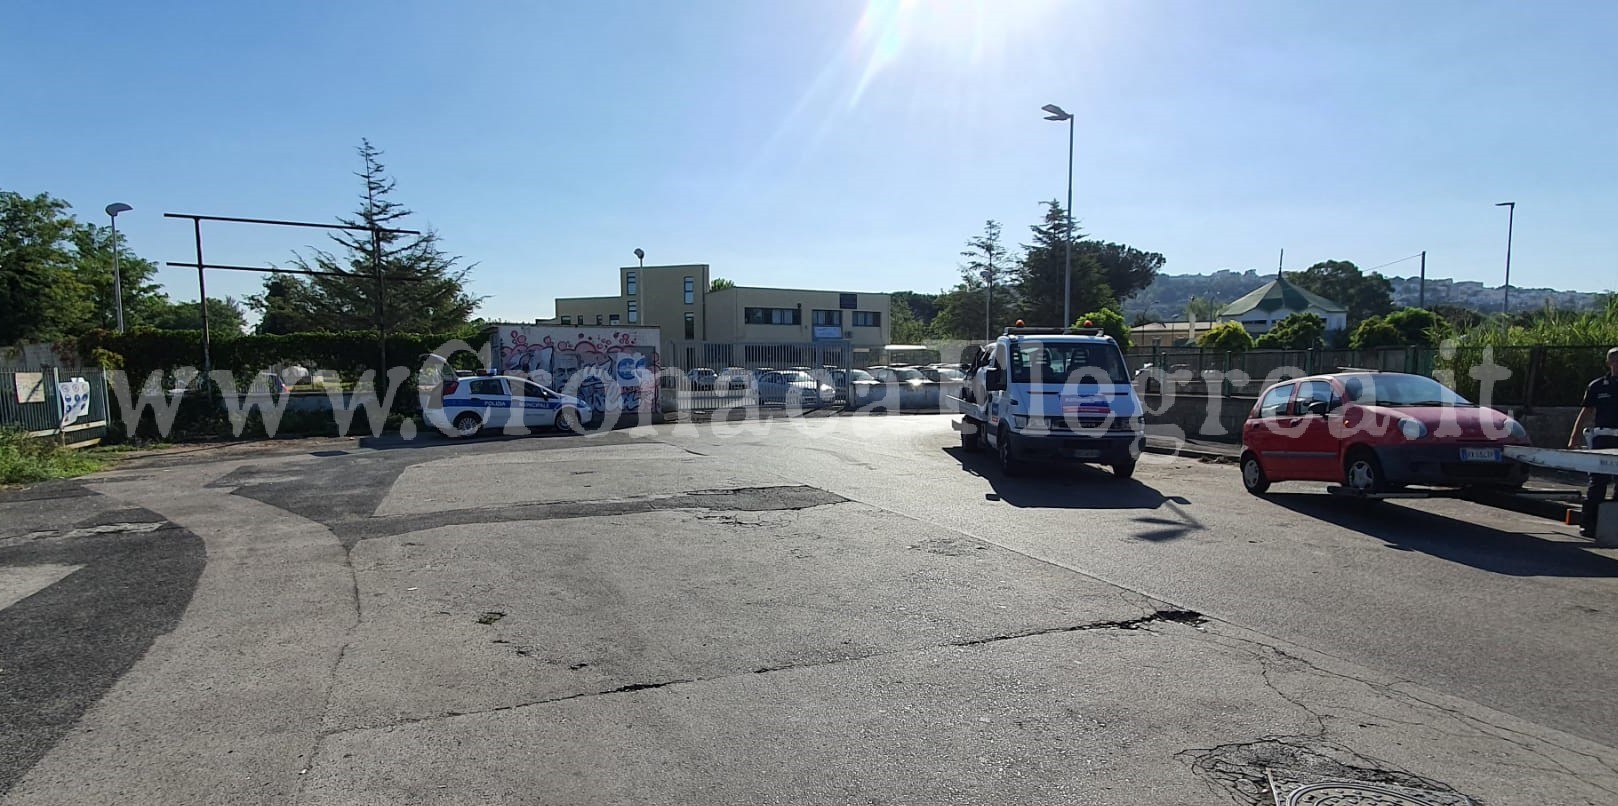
(1480, 454)
(1085, 453)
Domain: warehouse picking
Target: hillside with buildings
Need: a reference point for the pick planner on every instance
(1166, 298)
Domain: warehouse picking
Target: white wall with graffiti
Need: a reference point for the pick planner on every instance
(586, 362)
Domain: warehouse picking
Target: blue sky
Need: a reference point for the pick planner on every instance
(849, 145)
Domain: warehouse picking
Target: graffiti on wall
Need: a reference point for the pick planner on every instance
(590, 363)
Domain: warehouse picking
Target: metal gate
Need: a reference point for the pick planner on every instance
(703, 376)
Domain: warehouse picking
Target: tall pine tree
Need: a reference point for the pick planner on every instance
(1040, 279)
(423, 290)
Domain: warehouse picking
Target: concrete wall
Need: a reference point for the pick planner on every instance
(1548, 426)
(1216, 419)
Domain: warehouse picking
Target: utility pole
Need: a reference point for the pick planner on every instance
(1421, 290)
(202, 297)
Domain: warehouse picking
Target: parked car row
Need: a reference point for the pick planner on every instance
(880, 388)
(1371, 432)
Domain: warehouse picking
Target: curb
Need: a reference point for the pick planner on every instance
(1191, 451)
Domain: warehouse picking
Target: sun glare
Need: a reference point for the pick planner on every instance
(964, 32)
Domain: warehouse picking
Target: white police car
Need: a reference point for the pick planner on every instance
(464, 406)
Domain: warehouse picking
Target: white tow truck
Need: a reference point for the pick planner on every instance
(1051, 394)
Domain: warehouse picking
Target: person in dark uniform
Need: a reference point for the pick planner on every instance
(1601, 411)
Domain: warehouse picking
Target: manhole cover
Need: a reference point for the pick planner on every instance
(1291, 792)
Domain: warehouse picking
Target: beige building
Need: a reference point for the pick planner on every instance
(1168, 334)
(677, 299)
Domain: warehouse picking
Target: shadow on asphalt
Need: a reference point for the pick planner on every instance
(1458, 541)
(1070, 487)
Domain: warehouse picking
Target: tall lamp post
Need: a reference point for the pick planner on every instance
(117, 276)
(1511, 220)
(1056, 113)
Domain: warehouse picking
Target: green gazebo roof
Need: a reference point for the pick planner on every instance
(1280, 295)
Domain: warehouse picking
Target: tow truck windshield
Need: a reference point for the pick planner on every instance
(1038, 362)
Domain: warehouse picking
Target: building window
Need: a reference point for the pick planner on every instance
(567, 320)
(634, 312)
(690, 290)
(690, 326)
(848, 302)
(612, 319)
(867, 319)
(774, 316)
(631, 284)
(598, 318)
(828, 318)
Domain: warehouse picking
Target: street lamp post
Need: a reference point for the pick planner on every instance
(1056, 113)
(117, 276)
(1511, 220)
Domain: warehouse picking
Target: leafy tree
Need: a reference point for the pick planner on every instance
(425, 290)
(1299, 331)
(904, 327)
(1373, 333)
(1418, 326)
(1459, 317)
(1365, 295)
(285, 306)
(1124, 268)
(1203, 309)
(1110, 321)
(92, 265)
(225, 316)
(1040, 279)
(1227, 337)
(922, 307)
(720, 284)
(41, 296)
(960, 313)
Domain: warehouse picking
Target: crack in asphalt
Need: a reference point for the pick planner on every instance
(1159, 617)
(1267, 656)
(782, 498)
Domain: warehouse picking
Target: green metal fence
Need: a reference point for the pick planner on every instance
(1522, 376)
(30, 401)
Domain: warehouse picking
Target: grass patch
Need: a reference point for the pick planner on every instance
(25, 459)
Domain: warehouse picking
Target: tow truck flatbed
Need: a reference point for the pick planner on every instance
(1603, 460)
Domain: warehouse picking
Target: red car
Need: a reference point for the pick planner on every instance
(1374, 432)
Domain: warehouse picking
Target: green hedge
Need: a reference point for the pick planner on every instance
(141, 352)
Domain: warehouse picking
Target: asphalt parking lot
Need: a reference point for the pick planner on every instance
(815, 610)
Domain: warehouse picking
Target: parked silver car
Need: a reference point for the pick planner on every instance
(794, 388)
(905, 389)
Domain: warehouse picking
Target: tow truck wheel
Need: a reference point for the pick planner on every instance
(971, 442)
(1363, 473)
(567, 420)
(468, 425)
(1123, 470)
(1253, 477)
(1008, 462)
